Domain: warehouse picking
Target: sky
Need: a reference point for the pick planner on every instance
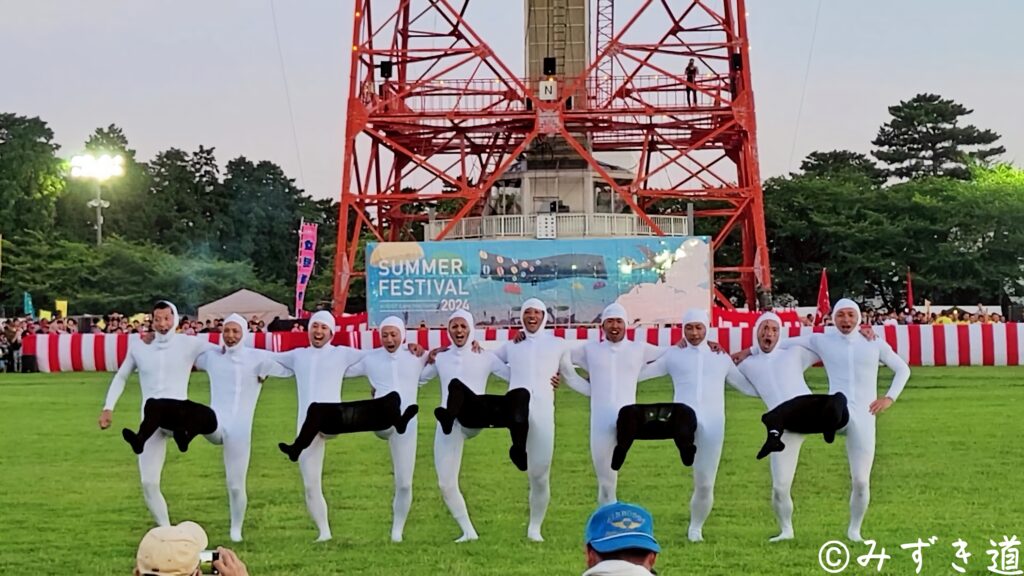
(198, 72)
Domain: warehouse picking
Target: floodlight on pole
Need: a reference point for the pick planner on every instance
(99, 169)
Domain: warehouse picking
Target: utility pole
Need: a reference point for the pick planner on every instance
(99, 204)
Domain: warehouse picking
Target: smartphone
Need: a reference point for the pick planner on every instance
(206, 560)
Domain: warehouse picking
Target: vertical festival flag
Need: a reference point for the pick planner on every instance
(307, 253)
(26, 300)
(910, 291)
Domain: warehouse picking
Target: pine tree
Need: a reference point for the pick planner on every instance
(925, 138)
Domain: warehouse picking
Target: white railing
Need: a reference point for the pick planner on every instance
(569, 225)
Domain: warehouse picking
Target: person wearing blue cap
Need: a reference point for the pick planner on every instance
(620, 541)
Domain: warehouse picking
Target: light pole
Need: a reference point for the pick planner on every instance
(99, 170)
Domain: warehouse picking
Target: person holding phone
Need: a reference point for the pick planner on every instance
(181, 550)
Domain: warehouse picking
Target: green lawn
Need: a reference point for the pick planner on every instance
(949, 464)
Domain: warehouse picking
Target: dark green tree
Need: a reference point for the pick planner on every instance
(978, 251)
(265, 209)
(842, 164)
(925, 138)
(207, 209)
(31, 175)
(171, 194)
(958, 237)
(119, 276)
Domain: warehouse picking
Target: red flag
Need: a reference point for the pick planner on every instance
(910, 290)
(824, 304)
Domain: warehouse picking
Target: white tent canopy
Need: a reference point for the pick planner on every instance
(245, 303)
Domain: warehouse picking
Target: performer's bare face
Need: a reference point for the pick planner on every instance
(845, 319)
(391, 338)
(319, 334)
(614, 329)
(768, 335)
(163, 320)
(532, 319)
(458, 329)
(695, 333)
(231, 333)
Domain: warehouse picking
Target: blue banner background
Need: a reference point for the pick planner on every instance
(655, 278)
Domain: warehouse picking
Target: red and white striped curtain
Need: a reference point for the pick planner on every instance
(942, 345)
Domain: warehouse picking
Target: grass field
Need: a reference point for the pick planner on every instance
(949, 464)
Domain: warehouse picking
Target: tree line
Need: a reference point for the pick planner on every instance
(930, 199)
(177, 226)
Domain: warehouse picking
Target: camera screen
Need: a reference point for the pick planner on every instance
(206, 559)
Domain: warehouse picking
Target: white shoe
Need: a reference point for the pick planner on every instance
(696, 535)
(853, 536)
(468, 537)
(787, 535)
(534, 535)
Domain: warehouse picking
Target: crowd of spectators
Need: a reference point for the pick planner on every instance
(13, 330)
(980, 315)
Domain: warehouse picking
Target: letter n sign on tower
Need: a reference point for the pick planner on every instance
(548, 120)
(548, 90)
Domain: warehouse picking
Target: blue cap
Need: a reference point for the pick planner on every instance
(618, 526)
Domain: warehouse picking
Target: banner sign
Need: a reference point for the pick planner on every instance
(655, 278)
(307, 255)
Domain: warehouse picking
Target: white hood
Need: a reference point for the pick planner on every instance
(847, 304)
(323, 317)
(465, 315)
(235, 351)
(535, 304)
(327, 319)
(766, 317)
(697, 316)
(395, 322)
(162, 340)
(614, 310)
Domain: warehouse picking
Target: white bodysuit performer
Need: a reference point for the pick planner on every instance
(319, 370)
(851, 363)
(393, 368)
(778, 376)
(164, 369)
(532, 361)
(236, 377)
(614, 365)
(472, 369)
(698, 379)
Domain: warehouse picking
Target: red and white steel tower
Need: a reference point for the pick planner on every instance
(441, 129)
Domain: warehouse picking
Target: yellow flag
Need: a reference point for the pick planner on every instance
(62, 307)
(45, 315)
